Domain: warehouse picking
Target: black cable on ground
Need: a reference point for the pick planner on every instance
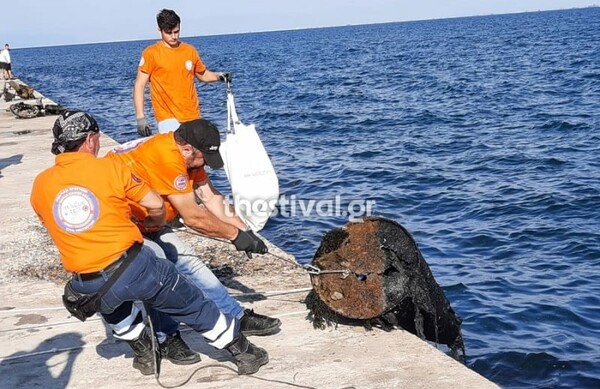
(157, 369)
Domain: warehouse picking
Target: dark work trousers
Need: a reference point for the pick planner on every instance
(156, 283)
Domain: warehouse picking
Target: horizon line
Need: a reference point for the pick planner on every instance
(308, 28)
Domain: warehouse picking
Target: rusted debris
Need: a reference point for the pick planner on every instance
(23, 91)
(388, 284)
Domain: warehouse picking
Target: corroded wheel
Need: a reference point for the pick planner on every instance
(26, 111)
(14, 108)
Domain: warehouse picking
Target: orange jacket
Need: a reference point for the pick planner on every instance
(158, 161)
(172, 87)
(83, 201)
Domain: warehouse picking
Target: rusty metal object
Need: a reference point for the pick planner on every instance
(359, 295)
(387, 281)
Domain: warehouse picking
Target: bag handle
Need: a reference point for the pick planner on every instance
(232, 116)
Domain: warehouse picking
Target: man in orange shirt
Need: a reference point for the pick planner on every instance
(173, 165)
(84, 203)
(170, 66)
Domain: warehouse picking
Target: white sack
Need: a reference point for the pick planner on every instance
(254, 184)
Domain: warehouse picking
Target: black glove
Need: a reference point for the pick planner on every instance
(250, 243)
(143, 129)
(226, 76)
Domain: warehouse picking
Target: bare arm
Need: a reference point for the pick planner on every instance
(208, 76)
(156, 210)
(200, 218)
(216, 203)
(138, 93)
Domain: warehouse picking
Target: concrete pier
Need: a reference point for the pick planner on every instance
(41, 346)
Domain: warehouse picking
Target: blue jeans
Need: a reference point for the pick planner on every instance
(187, 263)
(156, 282)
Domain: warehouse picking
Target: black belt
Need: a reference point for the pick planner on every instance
(112, 267)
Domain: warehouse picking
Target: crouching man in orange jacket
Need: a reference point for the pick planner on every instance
(83, 202)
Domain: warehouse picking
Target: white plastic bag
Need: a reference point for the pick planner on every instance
(254, 184)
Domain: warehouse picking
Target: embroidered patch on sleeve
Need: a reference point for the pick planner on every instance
(180, 182)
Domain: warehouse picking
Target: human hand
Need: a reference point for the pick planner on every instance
(225, 77)
(150, 225)
(143, 129)
(151, 229)
(250, 243)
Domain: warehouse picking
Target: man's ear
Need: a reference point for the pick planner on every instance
(187, 150)
(89, 141)
(91, 138)
(92, 142)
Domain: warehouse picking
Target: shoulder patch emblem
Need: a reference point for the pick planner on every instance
(76, 209)
(142, 62)
(180, 182)
(188, 65)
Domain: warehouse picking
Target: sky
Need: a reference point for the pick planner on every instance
(63, 22)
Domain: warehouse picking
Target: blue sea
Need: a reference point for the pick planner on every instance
(480, 135)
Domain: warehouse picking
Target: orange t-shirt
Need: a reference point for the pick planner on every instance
(158, 161)
(83, 201)
(172, 88)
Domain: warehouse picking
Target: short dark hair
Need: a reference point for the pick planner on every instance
(167, 20)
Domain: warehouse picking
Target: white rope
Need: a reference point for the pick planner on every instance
(291, 313)
(270, 293)
(59, 350)
(51, 351)
(61, 323)
(31, 309)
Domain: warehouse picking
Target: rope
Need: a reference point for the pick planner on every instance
(156, 370)
(32, 309)
(268, 293)
(184, 329)
(310, 269)
(188, 379)
(62, 323)
(273, 293)
(51, 351)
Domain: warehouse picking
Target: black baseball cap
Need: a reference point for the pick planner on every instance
(204, 136)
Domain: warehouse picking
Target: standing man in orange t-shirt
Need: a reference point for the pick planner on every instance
(170, 66)
(84, 202)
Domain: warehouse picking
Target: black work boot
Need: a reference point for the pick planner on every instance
(177, 351)
(143, 358)
(248, 357)
(255, 324)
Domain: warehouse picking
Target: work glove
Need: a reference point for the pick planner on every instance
(225, 77)
(250, 243)
(143, 129)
